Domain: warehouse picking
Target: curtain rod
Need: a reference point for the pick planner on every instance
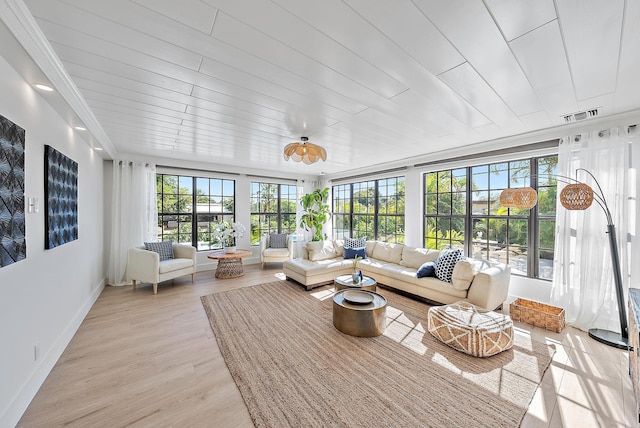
(196, 169)
(273, 178)
(371, 174)
(507, 151)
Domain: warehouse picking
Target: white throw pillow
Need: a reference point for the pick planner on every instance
(338, 245)
(388, 252)
(321, 250)
(463, 274)
(415, 257)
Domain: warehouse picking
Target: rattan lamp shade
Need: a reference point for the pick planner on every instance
(304, 152)
(506, 198)
(578, 196)
(524, 198)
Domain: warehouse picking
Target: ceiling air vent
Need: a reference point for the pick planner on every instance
(581, 115)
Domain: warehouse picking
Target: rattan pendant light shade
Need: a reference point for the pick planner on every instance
(577, 196)
(524, 198)
(304, 152)
(506, 198)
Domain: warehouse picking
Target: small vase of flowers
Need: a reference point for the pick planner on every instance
(226, 234)
(356, 275)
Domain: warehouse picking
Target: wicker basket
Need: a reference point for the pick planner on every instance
(539, 314)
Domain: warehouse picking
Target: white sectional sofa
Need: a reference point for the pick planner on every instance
(395, 266)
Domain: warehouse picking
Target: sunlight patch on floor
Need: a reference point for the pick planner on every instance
(402, 330)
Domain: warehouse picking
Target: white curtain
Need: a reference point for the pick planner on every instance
(583, 281)
(134, 214)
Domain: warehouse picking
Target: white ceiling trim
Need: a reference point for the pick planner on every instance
(21, 23)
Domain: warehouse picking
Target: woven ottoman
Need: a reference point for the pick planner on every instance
(471, 329)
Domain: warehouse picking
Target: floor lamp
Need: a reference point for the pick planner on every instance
(577, 195)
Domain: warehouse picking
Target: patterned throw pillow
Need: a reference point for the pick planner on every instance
(355, 242)
(445, 263)
(165, 249)
(278, 240)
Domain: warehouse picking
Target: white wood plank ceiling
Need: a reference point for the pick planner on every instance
(231, 82)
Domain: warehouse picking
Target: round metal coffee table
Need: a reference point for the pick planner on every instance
(364, 319)
(344, 282)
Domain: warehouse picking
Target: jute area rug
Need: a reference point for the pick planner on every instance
(295, 369)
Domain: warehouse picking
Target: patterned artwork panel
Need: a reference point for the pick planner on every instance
(13, 245)
(61, 198)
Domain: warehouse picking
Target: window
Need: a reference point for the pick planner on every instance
(471, 217)
(372, 209)
(214, 202)
(273, 209)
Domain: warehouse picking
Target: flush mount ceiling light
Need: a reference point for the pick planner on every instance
(43, 87)
(304, 152)
(79, 128)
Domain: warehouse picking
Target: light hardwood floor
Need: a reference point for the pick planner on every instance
(141, 360)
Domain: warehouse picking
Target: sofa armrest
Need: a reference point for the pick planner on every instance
(183, 251)
(490, 287)
(143, 265)
(263, 242)
(290, 245)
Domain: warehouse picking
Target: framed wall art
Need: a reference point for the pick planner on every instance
(13, 244)
(61, 198)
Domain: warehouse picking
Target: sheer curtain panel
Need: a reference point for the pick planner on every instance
(583, 280)
(134, 214)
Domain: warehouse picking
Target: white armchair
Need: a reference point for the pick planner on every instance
(145, 266)
(275, 255)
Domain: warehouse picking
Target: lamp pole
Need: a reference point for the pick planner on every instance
(611, 338)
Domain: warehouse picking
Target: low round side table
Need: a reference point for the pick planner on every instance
(368, 320)
(229, 264)
(344, 282)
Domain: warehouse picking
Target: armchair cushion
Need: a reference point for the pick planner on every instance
(164, 249)
(278, 240)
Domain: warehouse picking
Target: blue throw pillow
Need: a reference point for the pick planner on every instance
(352, 253)
(445, 263)
(427, 269)
(164, 249)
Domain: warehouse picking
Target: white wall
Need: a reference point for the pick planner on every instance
(44, 298)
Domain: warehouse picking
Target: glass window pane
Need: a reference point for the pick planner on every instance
(459, 203)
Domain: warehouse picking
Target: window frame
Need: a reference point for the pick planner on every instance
(196, 217)
(344, 195)
(279, 213)
(514, 176)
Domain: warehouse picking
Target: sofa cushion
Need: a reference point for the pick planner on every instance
(352, 253)
(338, 245)
(463, 274)
(369, 247)
(278, 240)
(355, 242)
(321, 250)
(445, 263)
(164, 249)
(275, 252)
(388, 252)
(427, 269)
(415, 257)
(174, 264)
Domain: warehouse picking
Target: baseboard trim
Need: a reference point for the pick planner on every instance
(23, 398)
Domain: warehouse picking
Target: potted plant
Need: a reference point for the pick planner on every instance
(226, 233)
(317, 212)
